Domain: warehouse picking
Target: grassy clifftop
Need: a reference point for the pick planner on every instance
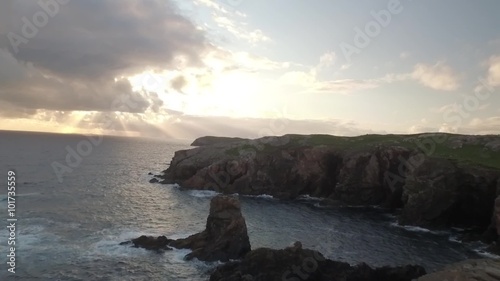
(465, 149)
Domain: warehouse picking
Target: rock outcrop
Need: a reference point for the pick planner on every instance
(441, 192)
(225, 236)
(477, 270)
(295, 263)
(159, 243)
(438, 180)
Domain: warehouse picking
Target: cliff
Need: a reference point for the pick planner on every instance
(437, 180)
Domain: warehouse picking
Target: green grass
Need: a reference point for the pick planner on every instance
(467, 154)
(235, 151)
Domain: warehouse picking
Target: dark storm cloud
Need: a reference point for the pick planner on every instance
(71, 61)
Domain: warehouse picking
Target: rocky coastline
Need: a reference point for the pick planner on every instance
(225, 239)
(435, 181)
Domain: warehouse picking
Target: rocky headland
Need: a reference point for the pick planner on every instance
(430, 180)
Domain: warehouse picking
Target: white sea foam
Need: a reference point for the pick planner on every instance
(31, 238)
(482, 252)
(109, 245)
(308, 197)
(262, 196)
(203, 193)
(454, 238)
(321, 206)
(179, 254)
(419, 229)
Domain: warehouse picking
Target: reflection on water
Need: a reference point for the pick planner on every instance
(71, 230)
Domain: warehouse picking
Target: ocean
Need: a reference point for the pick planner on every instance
(73, 211)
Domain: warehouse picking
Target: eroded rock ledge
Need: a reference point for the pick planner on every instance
(435, 180)
(225, 238)
(477, 270)
(295, 263)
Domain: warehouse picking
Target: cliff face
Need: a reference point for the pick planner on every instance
(437, 180)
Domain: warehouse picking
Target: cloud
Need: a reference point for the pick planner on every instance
(178, 83)
(225, 60)
(311, 83)
(213, 5)
(476, 126)
(404, 55)
(418, 129)
(437, 77)
(482, 126)
(81, 58)
(327, 60)
(190, 127)
(301, 78)
(33, 89)
(233, 22)
(346, 86)
(453, 107)
(254, 36)
(494, 71)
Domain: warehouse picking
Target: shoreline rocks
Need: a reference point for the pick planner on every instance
(480, 270)
(159, 243)
(225, 239)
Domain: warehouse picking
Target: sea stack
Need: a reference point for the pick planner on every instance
(225, 236)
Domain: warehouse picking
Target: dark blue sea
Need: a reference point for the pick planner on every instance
(69, 228)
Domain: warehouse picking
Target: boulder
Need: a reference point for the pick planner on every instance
(478, 270)
(225, 236)
(159, 243)
(295, 263)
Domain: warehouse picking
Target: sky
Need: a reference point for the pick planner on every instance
(249, 68)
